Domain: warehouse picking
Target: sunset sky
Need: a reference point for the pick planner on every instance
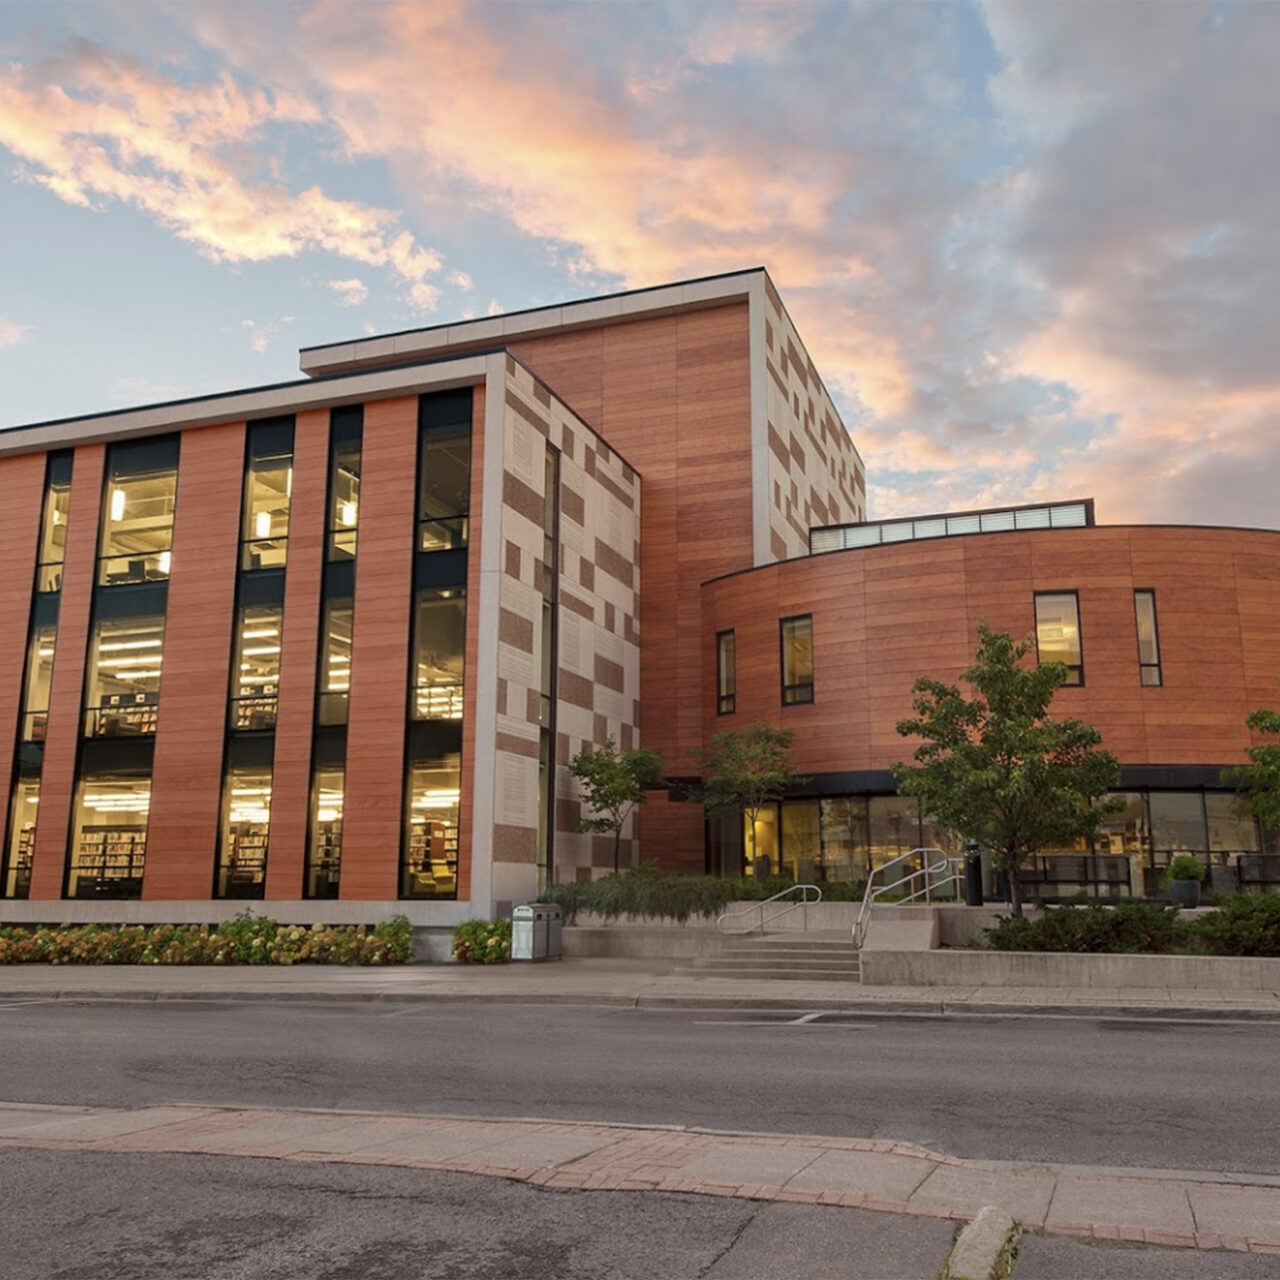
(1033, 248)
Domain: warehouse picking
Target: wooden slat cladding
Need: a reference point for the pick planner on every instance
(62, 737)
(380, 652)
(672, 395)
(291, 777)
(886, 615)
(22, 479)
(466, 801)
(186, 785)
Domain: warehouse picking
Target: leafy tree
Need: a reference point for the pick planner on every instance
(746, 771)
(997, 767)
(613, 784)
(1261, 776)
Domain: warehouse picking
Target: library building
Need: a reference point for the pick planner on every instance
(330, 645)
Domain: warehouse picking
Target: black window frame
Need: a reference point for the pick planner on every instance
(793, 695)
(1156, 667)
(726, 703)
(1073, 668)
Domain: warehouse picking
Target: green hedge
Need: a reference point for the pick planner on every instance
(648, 893)
(1243, 925)
(248, 939)
(482, 942)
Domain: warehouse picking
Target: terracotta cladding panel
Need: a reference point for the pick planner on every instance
(380, 653)
(291, 777)
(186, 786)
(873, 638)
(22, 479)
(57, 781)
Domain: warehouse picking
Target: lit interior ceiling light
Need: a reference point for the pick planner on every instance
(262, 633)
(347, 513)
(117, 504)
(260, 650)
(262, 524)
(164, 562)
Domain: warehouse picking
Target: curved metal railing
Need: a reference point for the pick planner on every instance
(729, 917)
(934, 874)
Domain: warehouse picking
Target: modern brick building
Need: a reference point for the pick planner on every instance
(331, 644)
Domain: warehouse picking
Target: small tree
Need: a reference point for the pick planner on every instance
(1260, 778)
(998, 768)
(613, 784)
(746, 771)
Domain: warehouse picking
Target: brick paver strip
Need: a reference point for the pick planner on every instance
(1184, 1209)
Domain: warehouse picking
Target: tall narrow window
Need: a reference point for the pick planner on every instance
(335, 662)
(256, 671)
(53, 522)
(726, 674)
(1144, 607)
(431, 826)
(324, 851)
(22, 836)
(345, 438)
(137, 512)
(109, 848)
(1058, 632)
(444, 488)
(122, 692)
(35, 706)
(439, 641)
(796, 636)
(246, 814)
(268, 486)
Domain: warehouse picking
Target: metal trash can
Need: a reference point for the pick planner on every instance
(535, 931)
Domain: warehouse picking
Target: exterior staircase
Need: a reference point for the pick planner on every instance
(797, 956)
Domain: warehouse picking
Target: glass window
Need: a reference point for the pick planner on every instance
(802, 841)
(22, 837)
(335, 661)
(547, 662)
(844, 838)
(797, 659)
(1231, 825)
(53, 523)
(760, 842)
(256, 671)
(109, 848)
(122, 692)
(344, 495)
(444, 489)
(137, 513)
(1177, 821)
(324, 855)
(431, 829)
(726, 674)
(268, 487)
(439, 640)
(894, 823)
(246, 812)
(1144, 607)
(1058, 632)
(35, 706)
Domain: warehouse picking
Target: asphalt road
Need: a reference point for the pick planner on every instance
(130, 1217)
(1158, 1094)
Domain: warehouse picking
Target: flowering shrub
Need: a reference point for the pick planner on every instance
(248, 939)
(482, 942)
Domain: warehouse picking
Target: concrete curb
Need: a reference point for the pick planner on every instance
(984, 1249)
(764, 1004)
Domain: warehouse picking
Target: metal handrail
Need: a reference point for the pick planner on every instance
(803, 901)
(947, 866)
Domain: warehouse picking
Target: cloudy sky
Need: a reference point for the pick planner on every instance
(1034, 248)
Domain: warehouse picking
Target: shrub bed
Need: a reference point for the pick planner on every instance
(248, 939)
(649, 893)
(1243, 925)
(482, 942)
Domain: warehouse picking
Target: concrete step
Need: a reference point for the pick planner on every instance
(777, 962)
(776, 974)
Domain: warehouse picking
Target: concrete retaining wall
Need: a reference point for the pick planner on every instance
(641, 941)
(1053, 969)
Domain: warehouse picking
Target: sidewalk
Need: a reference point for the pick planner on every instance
(1192, 1210)
(642, 984)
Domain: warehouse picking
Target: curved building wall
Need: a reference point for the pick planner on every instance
(884, 615)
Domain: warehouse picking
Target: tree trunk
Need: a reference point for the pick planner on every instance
(1015, 887)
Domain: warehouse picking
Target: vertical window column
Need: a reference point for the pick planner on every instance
(795, 636)
(726, 674)
(549, 667)
(1058, 632)
(1144, 608)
